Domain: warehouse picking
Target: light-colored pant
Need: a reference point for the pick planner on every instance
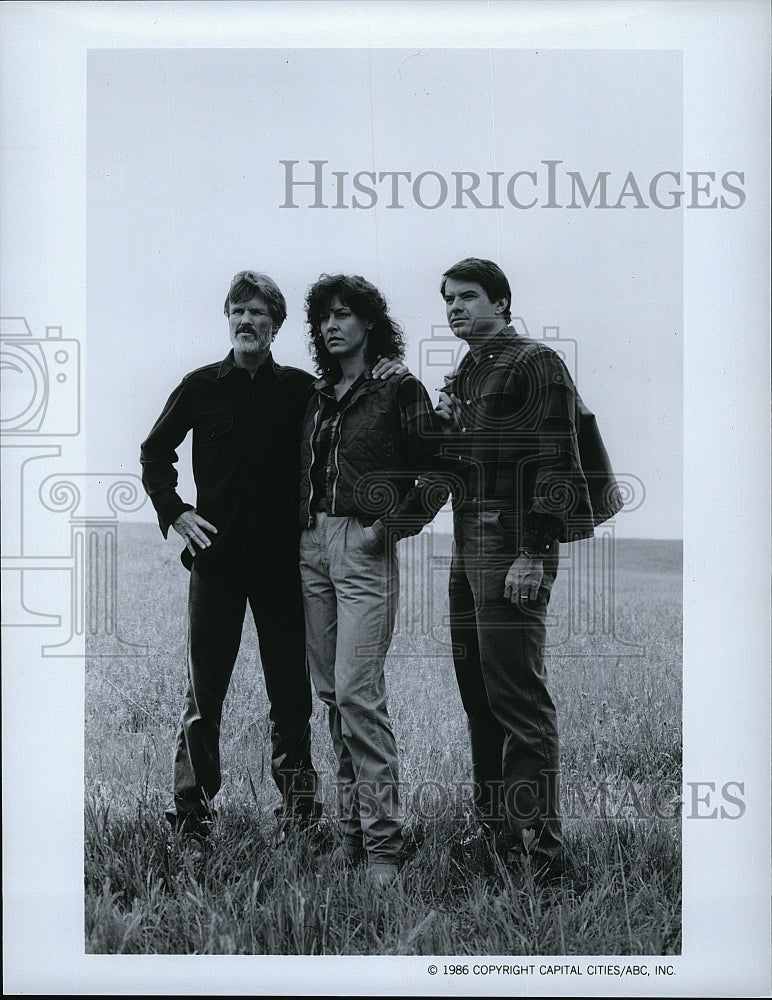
(350, 594)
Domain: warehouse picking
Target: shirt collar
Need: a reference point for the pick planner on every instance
(498, 343)
(228, 364)
(500, 340)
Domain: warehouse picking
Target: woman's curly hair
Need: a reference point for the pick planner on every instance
(385, 339)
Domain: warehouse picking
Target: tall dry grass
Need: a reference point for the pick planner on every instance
(620, 723)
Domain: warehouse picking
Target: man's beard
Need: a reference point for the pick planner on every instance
(254, 341)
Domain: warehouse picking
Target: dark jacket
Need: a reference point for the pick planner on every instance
(385, 438)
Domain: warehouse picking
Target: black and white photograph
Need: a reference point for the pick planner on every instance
(385, 452)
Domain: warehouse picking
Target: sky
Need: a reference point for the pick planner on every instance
(188, 182)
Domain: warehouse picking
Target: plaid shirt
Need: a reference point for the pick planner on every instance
(528, 442)
(327, 421)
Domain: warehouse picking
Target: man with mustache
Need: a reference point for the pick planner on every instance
(241, 546)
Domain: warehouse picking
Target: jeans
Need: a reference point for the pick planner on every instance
(350, 592)
(498, 652)
(216, 609)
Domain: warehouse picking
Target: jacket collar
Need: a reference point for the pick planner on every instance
(364, 383)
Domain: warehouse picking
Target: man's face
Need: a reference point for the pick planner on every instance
(471, 314)
(252, 327)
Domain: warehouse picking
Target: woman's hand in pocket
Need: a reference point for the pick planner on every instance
(375, 536)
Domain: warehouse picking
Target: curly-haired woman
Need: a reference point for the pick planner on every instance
(365, 444)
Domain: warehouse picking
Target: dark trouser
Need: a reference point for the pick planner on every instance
(216, 609)
(498, 652)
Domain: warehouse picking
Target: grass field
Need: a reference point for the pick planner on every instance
(616, 678)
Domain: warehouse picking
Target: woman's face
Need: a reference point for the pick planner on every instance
(343, 332)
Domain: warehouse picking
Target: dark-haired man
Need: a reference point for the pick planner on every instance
(241, 546)
(531, 471)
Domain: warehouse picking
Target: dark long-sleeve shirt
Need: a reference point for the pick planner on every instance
(246, 448)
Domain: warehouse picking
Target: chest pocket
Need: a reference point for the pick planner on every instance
(505, 401)
(221, 445)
